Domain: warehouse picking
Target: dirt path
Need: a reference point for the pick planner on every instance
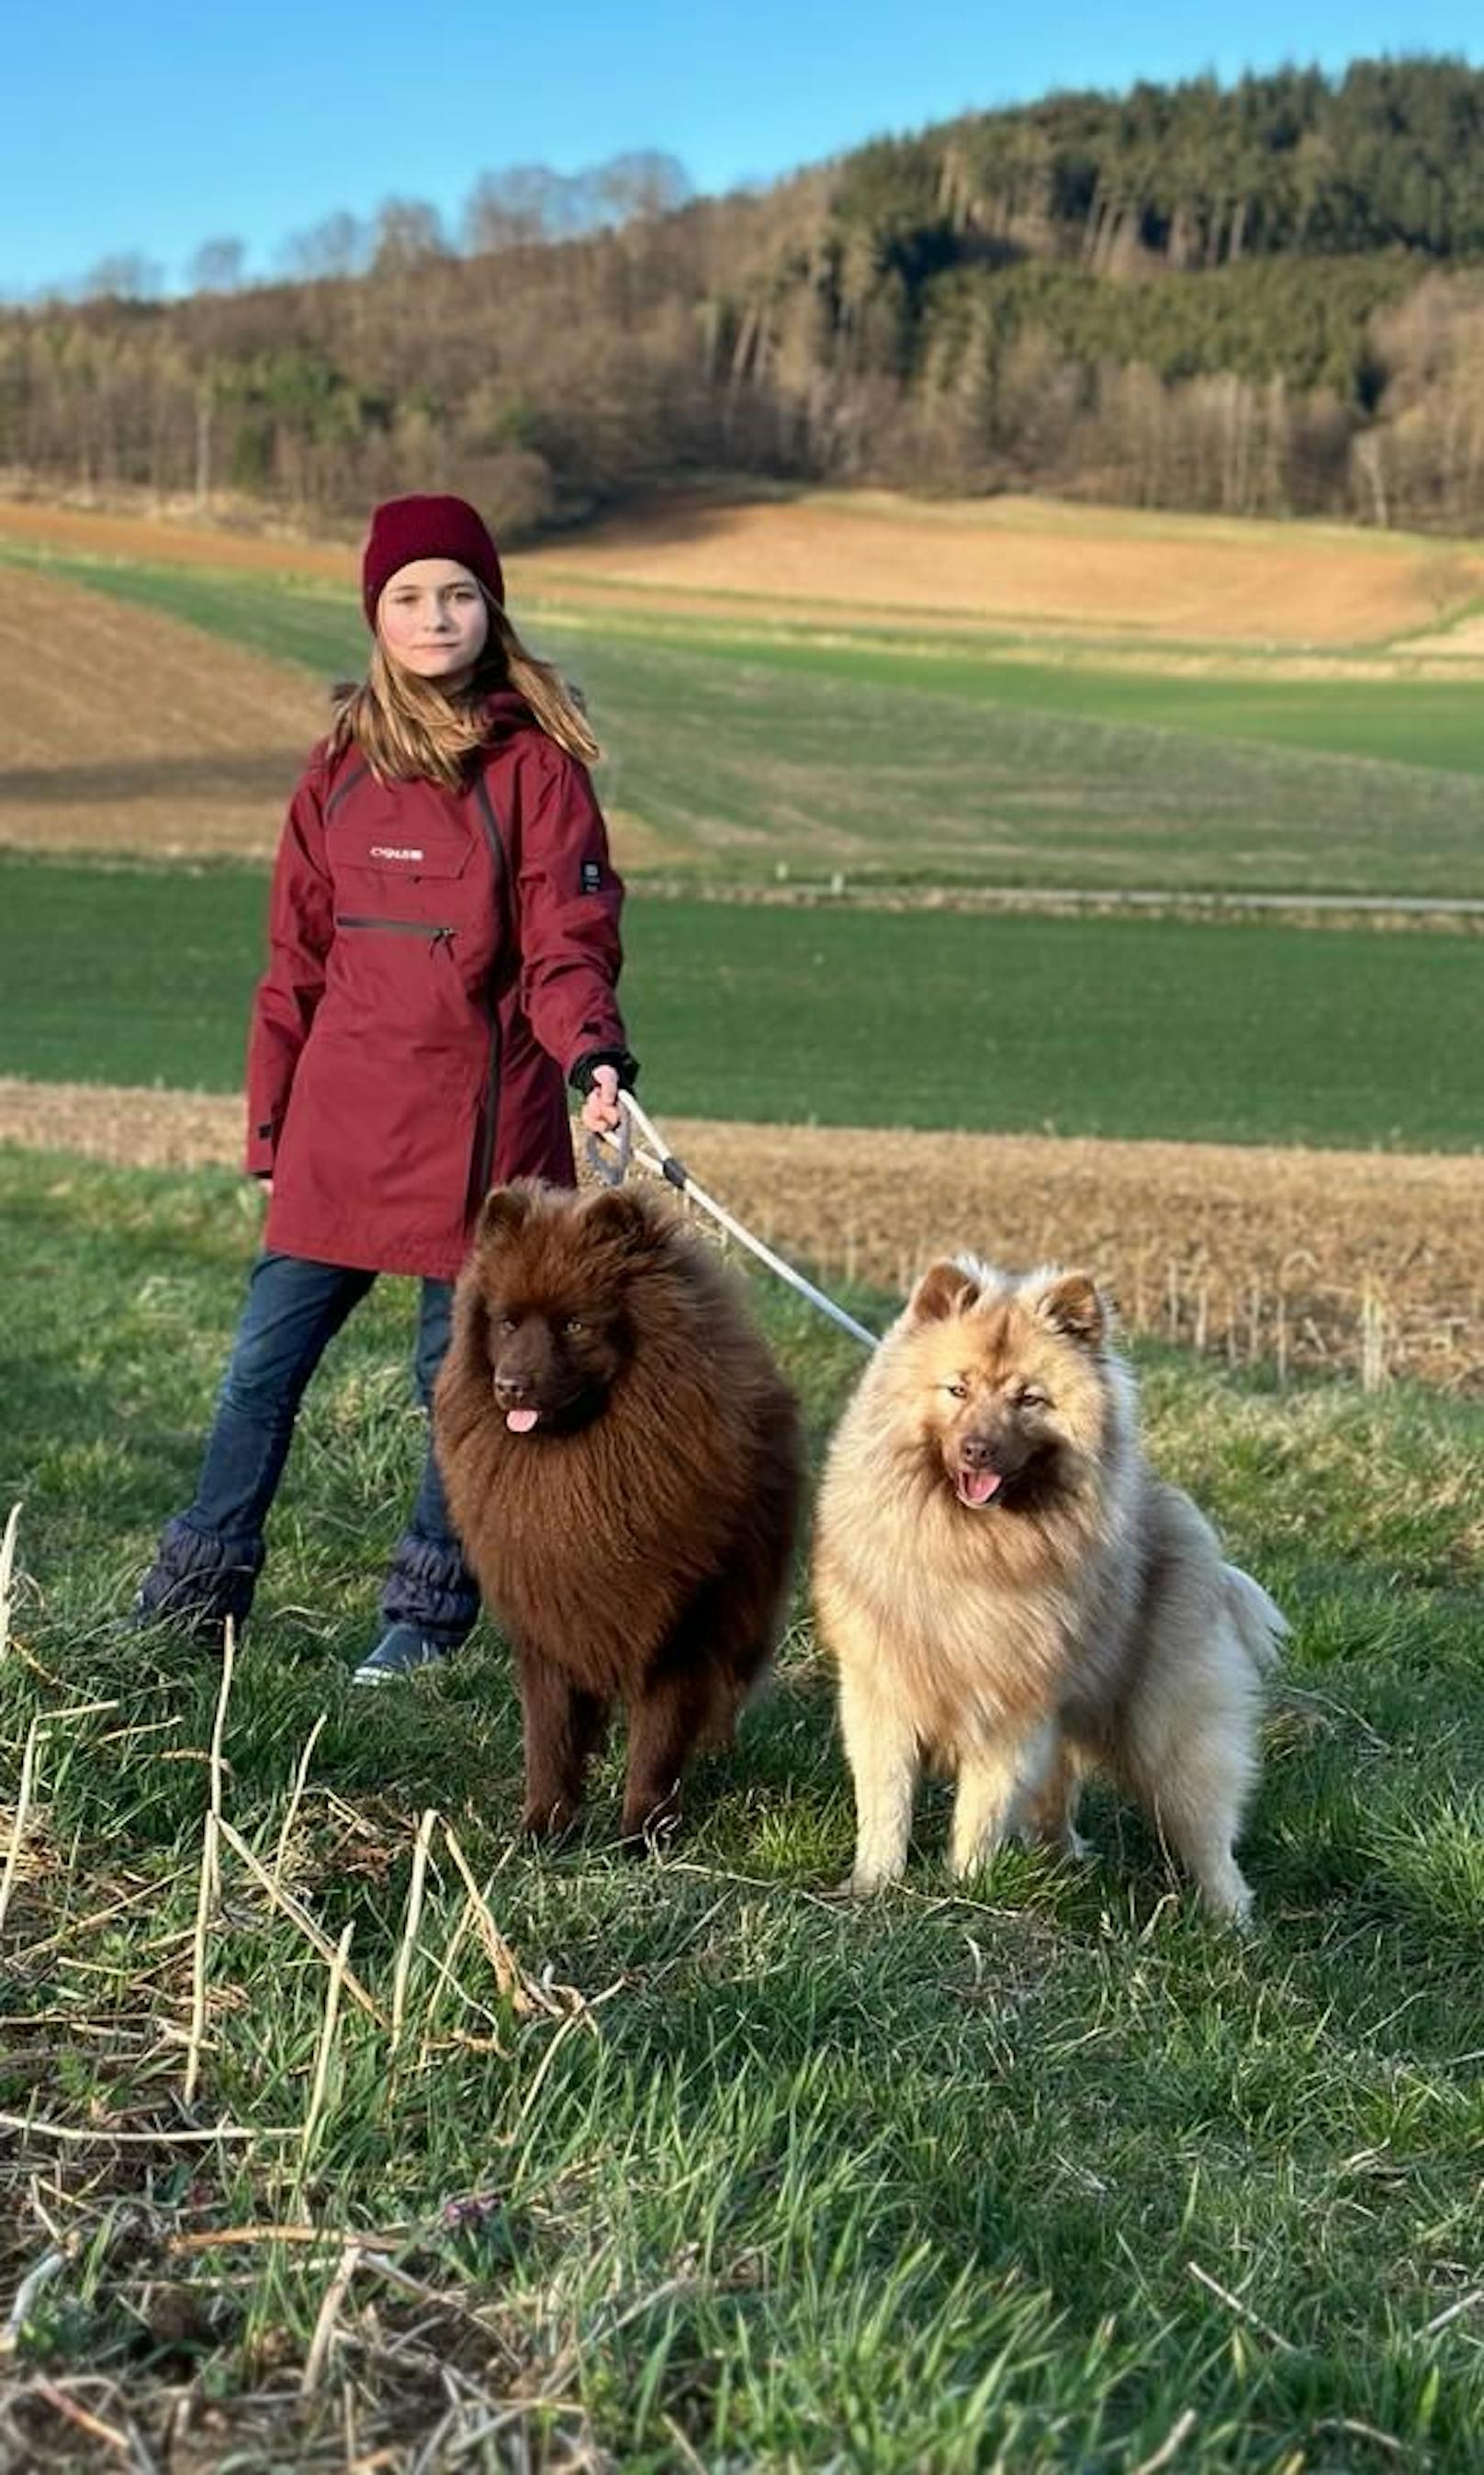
(1357, 1259)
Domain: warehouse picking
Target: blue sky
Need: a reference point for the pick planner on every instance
(154, 126)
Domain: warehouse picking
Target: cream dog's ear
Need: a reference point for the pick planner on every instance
(1073, 1304)
(945, 1288)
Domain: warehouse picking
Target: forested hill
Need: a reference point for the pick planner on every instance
(1267, 298)
(1390, 157)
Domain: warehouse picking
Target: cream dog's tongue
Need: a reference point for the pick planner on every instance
(520, 1421)
(976, 1487)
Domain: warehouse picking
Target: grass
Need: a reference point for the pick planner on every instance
(1055, 2175)
(743, 749)
(1430, 724)
(1258, 1032)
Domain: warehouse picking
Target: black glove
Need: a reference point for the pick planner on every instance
(582, 1073)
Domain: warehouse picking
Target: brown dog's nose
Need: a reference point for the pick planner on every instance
(510, 1390)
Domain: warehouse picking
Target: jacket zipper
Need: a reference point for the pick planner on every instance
(398, 927)
(486, 1157)
(344, 788)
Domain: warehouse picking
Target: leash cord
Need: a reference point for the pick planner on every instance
(654, 1154)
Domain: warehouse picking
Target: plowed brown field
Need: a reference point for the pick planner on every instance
(1020, 563)
(1373, 1263)
(177, 743)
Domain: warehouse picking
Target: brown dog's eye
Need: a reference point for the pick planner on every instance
(959, 1391)
(574, 1323)
(506, 1323)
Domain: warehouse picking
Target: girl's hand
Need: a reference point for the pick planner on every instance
(602, 1114)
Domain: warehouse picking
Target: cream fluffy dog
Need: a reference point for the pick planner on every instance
(1011, 1595)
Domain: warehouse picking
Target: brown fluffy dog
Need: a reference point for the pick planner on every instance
(622, 1463)
(1012, 1594)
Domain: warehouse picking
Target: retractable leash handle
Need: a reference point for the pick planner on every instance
(655, 1154)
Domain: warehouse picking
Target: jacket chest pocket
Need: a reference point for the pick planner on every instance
(391, 873)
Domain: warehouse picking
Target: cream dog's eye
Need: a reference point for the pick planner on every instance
(959, 1391)
(1034, 1401)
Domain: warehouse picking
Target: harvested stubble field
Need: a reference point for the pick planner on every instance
(1004, 562)
(1027, 563)
(1352, 1261)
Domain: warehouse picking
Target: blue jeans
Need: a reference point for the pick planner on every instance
(209, 1557)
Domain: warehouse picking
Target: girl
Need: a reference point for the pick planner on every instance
(444, 948)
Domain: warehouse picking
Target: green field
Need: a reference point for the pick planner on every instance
(1054, 2176)
(743, 749)
(1245, 1033)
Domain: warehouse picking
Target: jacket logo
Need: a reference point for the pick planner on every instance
(591, 876)
(389, 851)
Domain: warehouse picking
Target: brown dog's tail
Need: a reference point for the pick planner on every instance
(1259, 1622)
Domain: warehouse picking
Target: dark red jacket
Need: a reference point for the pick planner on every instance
(438, 960)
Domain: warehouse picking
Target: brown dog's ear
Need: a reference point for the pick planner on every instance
(620, 1217)
(1071, 1303)
(503, 1213)
(944, 1289)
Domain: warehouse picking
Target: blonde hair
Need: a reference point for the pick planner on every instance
(408, 728)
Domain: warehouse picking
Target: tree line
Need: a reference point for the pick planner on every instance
(1266, 299)
(522, 202)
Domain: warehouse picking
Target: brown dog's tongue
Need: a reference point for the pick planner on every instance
(520, 1421)
(976, 1487)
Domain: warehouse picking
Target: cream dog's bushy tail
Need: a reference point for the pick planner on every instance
(1259, 1622)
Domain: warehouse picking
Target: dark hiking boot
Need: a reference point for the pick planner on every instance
(401, 1651)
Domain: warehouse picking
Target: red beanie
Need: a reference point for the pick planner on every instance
(403, 530)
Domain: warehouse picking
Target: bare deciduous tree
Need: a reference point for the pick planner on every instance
(340, 245)
(128, 275)
(642, 186)
(408, 234)
(523, 205)
(217, 266)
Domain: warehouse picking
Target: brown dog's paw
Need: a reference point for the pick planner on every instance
(547, 1824)
(650, 1833)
